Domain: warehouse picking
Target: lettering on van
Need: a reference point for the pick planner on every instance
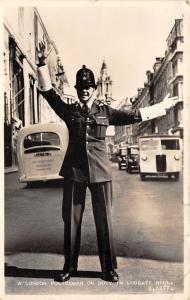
(42, 154)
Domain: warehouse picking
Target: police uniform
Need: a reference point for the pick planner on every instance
(86, 164)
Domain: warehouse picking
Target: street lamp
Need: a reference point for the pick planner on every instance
(60, 69)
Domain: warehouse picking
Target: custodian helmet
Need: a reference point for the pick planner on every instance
(85, 78)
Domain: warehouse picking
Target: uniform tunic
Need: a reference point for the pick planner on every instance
(86, 159)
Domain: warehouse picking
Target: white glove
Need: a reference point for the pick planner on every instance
(158, 109)
(169, 102)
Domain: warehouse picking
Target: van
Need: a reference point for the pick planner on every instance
(160, 155)
(41, 149)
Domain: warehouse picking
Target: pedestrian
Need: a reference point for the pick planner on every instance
(86, 165)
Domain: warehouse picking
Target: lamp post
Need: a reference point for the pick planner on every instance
(60, 76)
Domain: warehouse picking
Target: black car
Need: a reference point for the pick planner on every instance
(121, 157)
(132, 159)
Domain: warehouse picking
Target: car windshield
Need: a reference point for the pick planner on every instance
(151, 144)
(134, 151)
(123, 151)
(170, 144)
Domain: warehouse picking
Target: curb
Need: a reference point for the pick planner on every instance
(10, 170)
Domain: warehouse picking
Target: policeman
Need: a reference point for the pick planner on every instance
(85, 165)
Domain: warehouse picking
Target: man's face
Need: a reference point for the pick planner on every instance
(84, 94)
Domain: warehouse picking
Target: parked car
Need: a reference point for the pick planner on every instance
(122, 158)
(132, 158)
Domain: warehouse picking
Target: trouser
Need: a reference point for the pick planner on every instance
(72, 211)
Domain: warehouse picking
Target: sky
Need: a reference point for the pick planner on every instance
(128, 35)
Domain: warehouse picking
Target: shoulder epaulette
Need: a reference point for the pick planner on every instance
(75, 104)
(99, 102)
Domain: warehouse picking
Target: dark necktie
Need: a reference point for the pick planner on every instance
(85, 109)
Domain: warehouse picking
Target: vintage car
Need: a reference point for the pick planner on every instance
(132, 158)
(121, 156)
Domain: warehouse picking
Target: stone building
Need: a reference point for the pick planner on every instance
(123, 134)
(175, 44)
(23, 105)
(166, 78)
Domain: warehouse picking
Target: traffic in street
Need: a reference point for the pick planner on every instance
(147, 221)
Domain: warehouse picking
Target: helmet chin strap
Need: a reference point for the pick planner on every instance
(90, 100)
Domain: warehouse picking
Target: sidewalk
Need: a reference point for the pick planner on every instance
(33, 273)
(10, 169)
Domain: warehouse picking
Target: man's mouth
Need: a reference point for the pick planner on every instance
(85, 94)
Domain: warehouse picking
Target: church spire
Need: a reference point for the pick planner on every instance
(104, 85)
(103, 68)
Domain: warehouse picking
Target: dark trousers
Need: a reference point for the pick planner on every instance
(72, 212)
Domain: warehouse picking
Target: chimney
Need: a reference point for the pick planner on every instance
(140, 91)
(149, 76)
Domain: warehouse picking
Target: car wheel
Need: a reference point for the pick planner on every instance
(30, 184)
(142, 176)
(176, 176)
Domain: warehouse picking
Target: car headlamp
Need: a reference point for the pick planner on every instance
(176, 156)
(144, 157)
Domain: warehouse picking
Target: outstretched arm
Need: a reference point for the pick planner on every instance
(123, 117)
(158, 109)
(118, 117)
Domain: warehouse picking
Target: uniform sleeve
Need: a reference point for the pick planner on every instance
(44, 80)
(119, 117)
(54, 99)
(62, 109)
(153, 111)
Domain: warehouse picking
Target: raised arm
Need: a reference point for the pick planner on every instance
(45, 87)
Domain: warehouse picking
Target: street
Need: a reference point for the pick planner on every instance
(148, 231)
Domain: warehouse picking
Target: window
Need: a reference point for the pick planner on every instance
(134, 151)
(175, 90)
(170, 144)
(149, 145)
(41, 139)
(18, 91)
(38, 117)
(106, 87)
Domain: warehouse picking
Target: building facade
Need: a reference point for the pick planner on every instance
(123, 134)
(166, 78)
(23, 105)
